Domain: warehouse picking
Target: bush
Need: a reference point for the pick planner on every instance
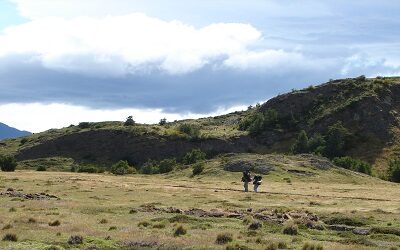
(129, 121)
(337, 140)
(88, 169)
(301, 144)
(150, 167)
(55, 223)
(353, 164)
(120, 168)
(312, 246)
(291, 229)
(41, 168)
(8, 163)
(166, 165)
(194, 156)
(191, 130)
(75, 240)
(23, 141)
(162, 122)
(83, 125)
(255, 225)
(271, 246)
(394, 170)
(180, 231)
(198, 169)
(224, 238)
(10, 237)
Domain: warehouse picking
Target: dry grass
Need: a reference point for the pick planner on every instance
(87, 199)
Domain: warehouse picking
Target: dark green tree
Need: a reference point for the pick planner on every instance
(163, 121)
(337, 139)
(194, 156)
(8, 163)
(301, 144)
(120, 168)
(129, 121)
(166, 165)
(394, 170)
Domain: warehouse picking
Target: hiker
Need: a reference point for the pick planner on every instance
(246, 179)
(257, 182)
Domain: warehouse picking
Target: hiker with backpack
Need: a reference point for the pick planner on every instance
(257, 182)
(246, 178)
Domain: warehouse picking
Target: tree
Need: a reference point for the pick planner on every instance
(271, 118)
(194, 156)
(301, 144)
(394, 170)
(120, 168)
(129, 121)
(166, 165)
(316, 144)
(257, 124)
(336, 140)
(8, 163)
(193, 131)
(163, 121)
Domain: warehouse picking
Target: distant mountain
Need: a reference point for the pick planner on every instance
(9, 132)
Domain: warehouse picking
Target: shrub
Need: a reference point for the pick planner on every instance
(224, 238)
(180, 231)
(31, 220)
(282, 245)
(337, 139)
(55, 223)
(88, 169)
(301, 144)
(166, 165)
(291, 229)
(143, 224)
(8, 163)
(103, 221)
(271, 246)
(41, 168)
(394, 170)
(6, 227)
(75, 240)
(24, 140)
(193, 131)
(129, 121)
(150, 167)
(120, 168)
(312, 246)
(163, 121)
(353, 164)
(83, 125)
(194, 156)
(255, 225)
(198, 169)
(10, 237)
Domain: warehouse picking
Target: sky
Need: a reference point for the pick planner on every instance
(67, 61)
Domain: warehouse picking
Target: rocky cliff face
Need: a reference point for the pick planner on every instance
(109, 146)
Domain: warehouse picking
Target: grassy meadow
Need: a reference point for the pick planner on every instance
(326, 209)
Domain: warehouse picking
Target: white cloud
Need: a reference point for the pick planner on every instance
(37, 117)
(117, 45)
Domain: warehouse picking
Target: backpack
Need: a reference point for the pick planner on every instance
(257, 180)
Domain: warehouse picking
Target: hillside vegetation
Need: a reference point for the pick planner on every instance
(351, 117)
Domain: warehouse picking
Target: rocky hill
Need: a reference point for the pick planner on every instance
(365, 110)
